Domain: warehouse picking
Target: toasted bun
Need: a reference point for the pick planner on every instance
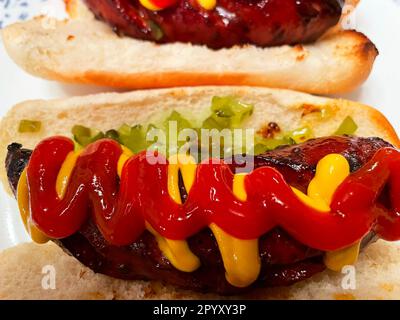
(85, 50)
(378, 274)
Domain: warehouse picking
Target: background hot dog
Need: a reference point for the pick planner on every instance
(232, 22)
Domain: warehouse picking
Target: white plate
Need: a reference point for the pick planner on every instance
(379, 19)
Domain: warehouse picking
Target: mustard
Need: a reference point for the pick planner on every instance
(238, 186)
(65, 173)
(331, 171)
(336, 260)
(24, 209)
(126, 154)
(241, 258)
(187, 166)
(207, 4)
(149, 5)
(176, 251)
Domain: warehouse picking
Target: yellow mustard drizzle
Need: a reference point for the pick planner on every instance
(23, 205)
(329, 174)
(149, 5)
(238, 186)
(331, 171)
(240, 257)
(126, 154)
(65, 173)
(336, 260)
(207, 4)
(317, 204)
(176, 251)
(187, 166)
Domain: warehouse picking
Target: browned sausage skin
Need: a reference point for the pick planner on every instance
(284, 260)
(233, 22)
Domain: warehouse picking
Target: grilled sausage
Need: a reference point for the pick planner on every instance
(232, 22)
(284, 260)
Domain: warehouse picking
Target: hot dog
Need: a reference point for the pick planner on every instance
(283, 256)
(190, 43)
(132, 245)
(226, 24)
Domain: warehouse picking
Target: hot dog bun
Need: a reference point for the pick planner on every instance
(378, 274)
(84, 50)
(377, 277)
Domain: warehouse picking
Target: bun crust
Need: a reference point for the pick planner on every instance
(84, 50)
(377, 272)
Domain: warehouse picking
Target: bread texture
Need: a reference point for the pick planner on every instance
(377, 272)
(25, 267)
(85, 50)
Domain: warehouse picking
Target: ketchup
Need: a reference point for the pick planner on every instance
(163, 3)
(120, 207)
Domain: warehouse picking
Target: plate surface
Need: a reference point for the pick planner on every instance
(379, 19)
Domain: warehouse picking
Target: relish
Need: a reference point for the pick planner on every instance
(225, 113)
